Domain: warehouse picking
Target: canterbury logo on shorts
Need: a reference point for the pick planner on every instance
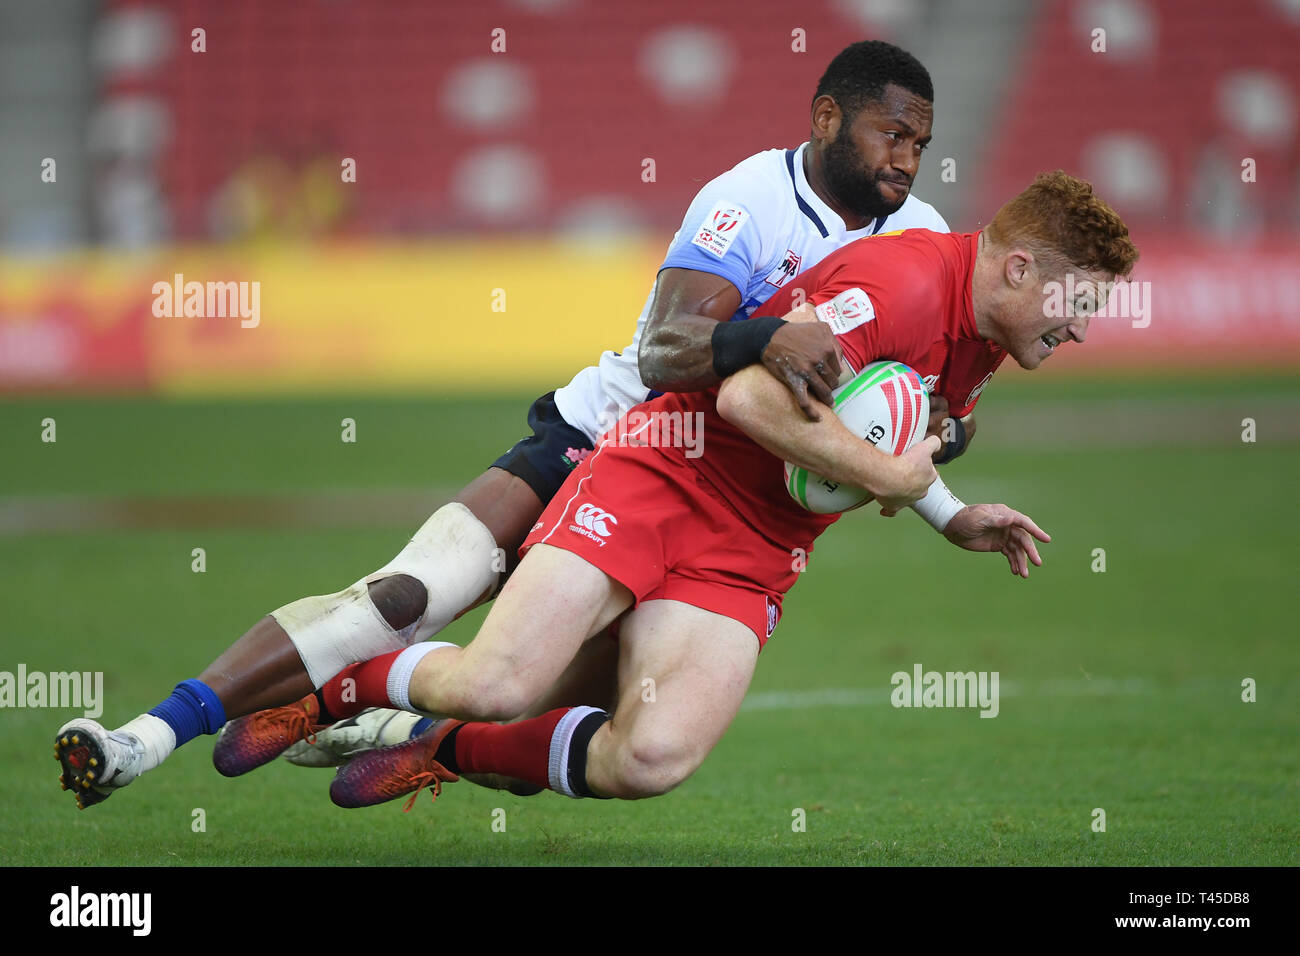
(592, 522)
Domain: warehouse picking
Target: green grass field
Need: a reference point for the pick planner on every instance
(1121, 690)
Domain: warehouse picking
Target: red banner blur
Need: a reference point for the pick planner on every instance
(358, 318)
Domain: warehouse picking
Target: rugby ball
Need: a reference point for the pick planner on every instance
(885, 404)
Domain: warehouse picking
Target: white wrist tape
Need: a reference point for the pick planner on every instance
(938, 506)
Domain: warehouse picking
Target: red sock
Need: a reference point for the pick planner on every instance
(548, 751)
(359, 686)
(521, 750)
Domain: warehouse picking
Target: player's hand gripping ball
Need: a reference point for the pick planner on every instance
(885, 404)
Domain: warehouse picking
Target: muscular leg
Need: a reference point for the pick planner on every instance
(543, 641)
(263, 669)
(701, 664)
(528, 641)
(592, 679)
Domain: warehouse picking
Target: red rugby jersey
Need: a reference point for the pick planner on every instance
(905, 297)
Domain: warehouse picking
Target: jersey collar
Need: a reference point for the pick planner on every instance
(966, 327)
(826, 220)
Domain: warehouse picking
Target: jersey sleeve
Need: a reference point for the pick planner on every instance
(719, 233)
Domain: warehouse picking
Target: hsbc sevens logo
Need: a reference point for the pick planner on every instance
(594, 519)
(725, 220)
(851, 307)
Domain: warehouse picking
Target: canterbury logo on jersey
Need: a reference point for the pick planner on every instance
(591, 521)
(975, 392)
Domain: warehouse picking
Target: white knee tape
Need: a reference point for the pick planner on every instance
(332, 631)
(453, 555)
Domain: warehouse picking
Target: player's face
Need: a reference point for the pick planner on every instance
(871, 162)
(1034, 326)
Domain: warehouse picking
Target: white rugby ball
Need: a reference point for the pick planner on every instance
(885, 404)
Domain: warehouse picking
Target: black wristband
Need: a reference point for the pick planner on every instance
(955, 447)
(740, 344)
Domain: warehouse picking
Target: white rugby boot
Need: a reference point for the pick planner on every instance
(338, 743)
(375, 728)
(96, 761)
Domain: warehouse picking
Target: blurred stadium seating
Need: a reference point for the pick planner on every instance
(1162, 121)
(546, 134)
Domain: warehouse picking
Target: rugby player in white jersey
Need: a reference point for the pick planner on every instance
(746, 234)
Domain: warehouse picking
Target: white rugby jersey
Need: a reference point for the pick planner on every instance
(757, 225)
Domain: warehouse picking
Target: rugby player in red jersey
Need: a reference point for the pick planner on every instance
(693, 554)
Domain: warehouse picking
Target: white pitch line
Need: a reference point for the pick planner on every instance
(871, 696)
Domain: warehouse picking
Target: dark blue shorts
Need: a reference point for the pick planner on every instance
(555, 448)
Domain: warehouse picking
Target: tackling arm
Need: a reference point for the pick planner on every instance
(676, 352)
(689, 344)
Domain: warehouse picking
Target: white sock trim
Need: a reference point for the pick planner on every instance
(399, 675)
(557, 770)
